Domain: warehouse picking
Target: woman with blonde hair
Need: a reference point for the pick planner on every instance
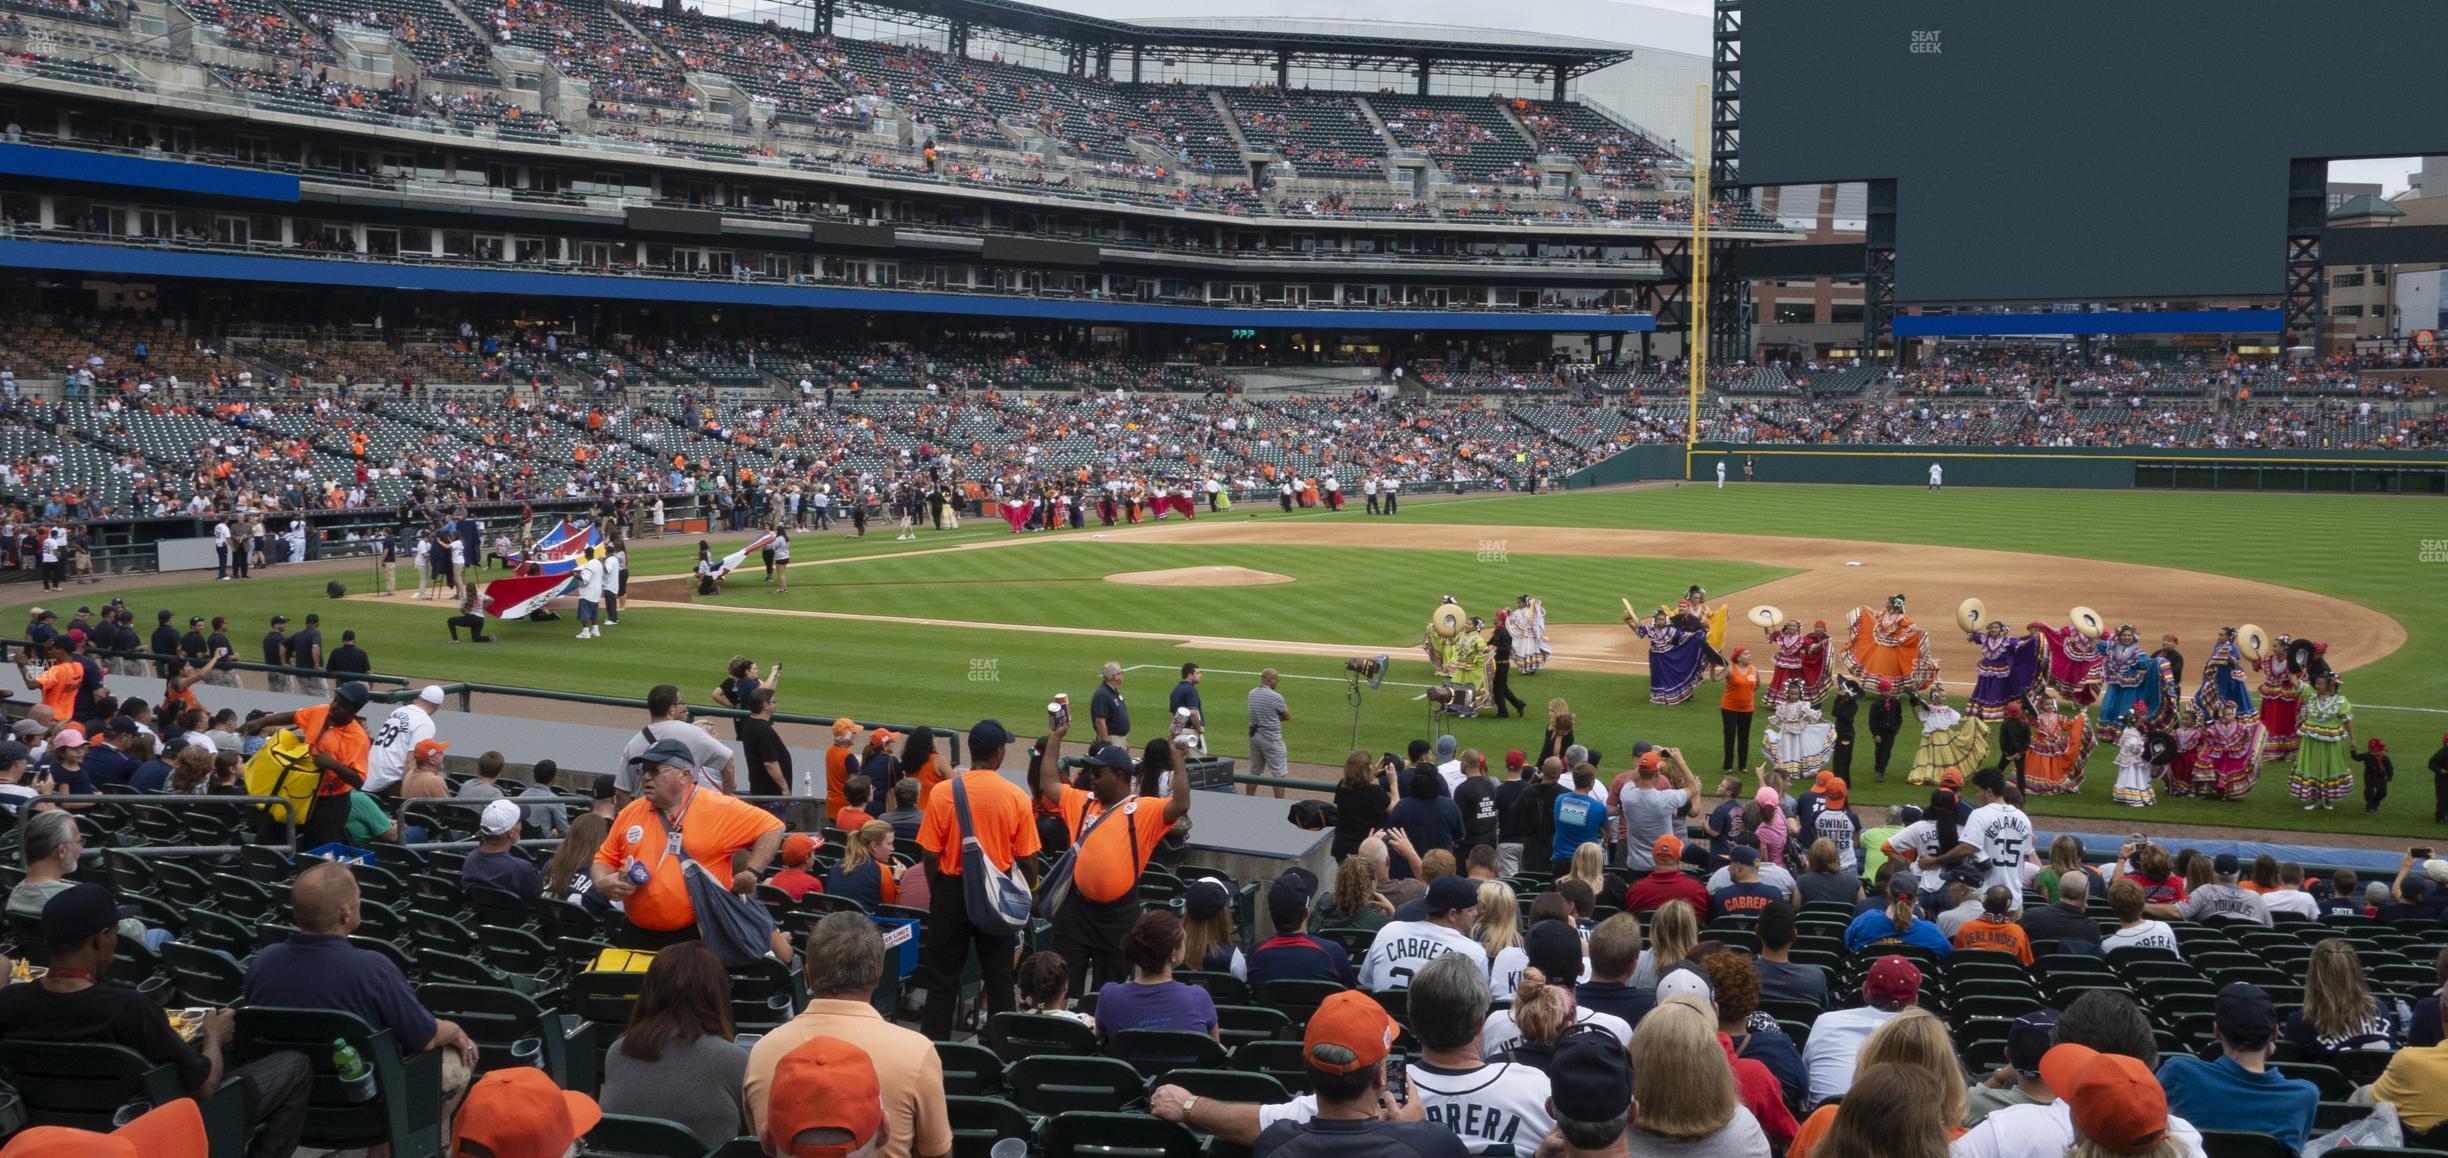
(1885, 1115)
(1541, 1014)
(1674, 931)
(866, 872)
(1499, 932)
(2066, 856)
(1915, 1039)
(1354, 902)
(2339, 1014)
(1683, 1087)
(1589, 868)
(1559, 731)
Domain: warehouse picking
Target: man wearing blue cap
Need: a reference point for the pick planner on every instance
(2241, 1090)
(2018, 1082)
(1112, 837)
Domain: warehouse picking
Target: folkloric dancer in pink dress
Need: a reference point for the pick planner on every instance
(2187, 773)
(1792, 653)
(2281, 697)
(2006, 669)
(2069, 661)
(2230, 760)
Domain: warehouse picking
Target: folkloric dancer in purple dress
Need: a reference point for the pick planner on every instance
(1676, 657)
(2068, 660)
(2222, 681)
(2006, 669)
(2136, 681)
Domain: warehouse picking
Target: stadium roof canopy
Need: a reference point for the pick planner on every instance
(1090, 38)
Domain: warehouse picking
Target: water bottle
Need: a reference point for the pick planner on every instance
(356, 1077)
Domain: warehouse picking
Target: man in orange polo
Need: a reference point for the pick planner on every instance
(58, 682)
(1115, 837)
(672, 821)
(340, 748)
(842, 763)
(1007, 834)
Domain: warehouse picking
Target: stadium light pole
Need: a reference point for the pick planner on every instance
(1695, 331)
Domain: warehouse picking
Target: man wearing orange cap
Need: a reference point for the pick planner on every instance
(825, 1103)
(173, 1128)
(520, 1113)
(1666, 881)
(798, 849)
(1344, 1049)
(841, 760)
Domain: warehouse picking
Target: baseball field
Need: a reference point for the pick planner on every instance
(980, 622)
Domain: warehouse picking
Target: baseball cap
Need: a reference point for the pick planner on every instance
(1685, 981)
(1287, 903)
(1110, 756)
(797, 848)
(1743, 854)
(1905, 883)
(2224, 864)
(78, 912)
(824, 1101)
(1554, 948)
(431, 693)
(1668, 849)
(428, 749)
(76, 635)
(1350, 1029)
(1300, 878)
(1590, 1078)
(2244, 1014)
(1820, 782)
(2436, 869)
(499, 817)
(2113, 1098)
(882, 736)
(1951, 779)
(192, 620)
(1447, 893)
(988, 735)
(1514, 759)
(1206, 897)
(1892, 981)
(1767, 797)
(313, 617)
(119, 726)
(277, 620)
(844, 726)
(175, 1127)
(1965, 875)
(520, 1113)
(1447, 746)
(663, 752)
(1833, 796)
(2029, 1039)
(68, 738)
(11, 752)
(27, 727)
(352, 692)
(1651, 761)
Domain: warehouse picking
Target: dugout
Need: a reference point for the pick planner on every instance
(2301, 471)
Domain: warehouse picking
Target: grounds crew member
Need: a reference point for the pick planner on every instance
(1007, 834)
(341, 749)
(675, 818)
(1116, 832)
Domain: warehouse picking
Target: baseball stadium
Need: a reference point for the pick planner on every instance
(1028, 580)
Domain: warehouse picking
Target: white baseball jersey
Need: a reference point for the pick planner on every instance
(591, 581)
(1500, 1034)
(1402, 948)
(2001, 834)
(1496, 1110)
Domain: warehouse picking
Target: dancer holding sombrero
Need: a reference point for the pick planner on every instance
(2282, 690)
(2006, 666)
(1527, 623)
(1692, 613)
(2068, 657)
(1787, 647)
(1676, 656)
(2323, 775)
(1887, 645)
(1459, 655)
(2222, 675)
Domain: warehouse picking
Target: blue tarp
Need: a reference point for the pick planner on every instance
(2115, 322)
(2362, 860)
(22, 160)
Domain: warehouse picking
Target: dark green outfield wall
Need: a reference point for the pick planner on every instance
(2373, 472)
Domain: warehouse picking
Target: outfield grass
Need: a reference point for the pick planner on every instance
(2366, 549)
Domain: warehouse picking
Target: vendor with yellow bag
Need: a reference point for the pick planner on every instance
(338, 746)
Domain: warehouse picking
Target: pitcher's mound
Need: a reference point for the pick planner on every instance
(1199, 577)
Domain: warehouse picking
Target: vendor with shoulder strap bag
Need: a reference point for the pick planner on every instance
(675, 820)
(340, 747)
(1092, 894)
(988, 814)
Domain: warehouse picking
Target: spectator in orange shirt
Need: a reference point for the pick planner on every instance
(1735, 706)
(673, 821)
(58, 682)
(339, 745)
(853, 813)
(841, 760)
(1995, 929)
(1109, 857)
(1006, 832)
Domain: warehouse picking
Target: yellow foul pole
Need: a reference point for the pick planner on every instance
(1695, 334)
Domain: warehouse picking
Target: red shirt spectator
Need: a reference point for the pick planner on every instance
(1666, 882)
